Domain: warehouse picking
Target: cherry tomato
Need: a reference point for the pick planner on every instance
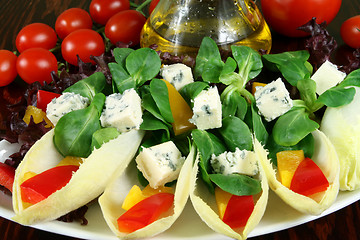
(36, 65)
(36, 35)
(82, 42)
(285, 16)
(71, 20)
(153, 5)
(125, 27)
(145, 212)
(350, 31)
(42, 185)
(7, 67)
(308, 178)
(102, 10)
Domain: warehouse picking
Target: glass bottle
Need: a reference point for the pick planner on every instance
(178, 26)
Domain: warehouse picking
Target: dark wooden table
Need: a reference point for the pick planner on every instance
(14, 14)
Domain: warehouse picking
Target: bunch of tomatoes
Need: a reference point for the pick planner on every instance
(75, 36)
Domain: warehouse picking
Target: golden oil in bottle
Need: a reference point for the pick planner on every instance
(178, 26)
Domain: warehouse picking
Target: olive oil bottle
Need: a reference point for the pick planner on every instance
(178, 26)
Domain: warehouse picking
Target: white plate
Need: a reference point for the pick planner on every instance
(278, 216)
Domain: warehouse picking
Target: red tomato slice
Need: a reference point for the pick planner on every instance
(7, 174)
(44, 98)
(145, 212)
(308, 178)
(42, 185)
(238, 211)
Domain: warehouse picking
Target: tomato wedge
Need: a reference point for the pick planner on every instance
(145, 212)
(42, 185)
(238, 211)
(44, 98)
(308, 178)
(7, 174)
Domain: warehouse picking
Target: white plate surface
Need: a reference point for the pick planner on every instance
(278, 216)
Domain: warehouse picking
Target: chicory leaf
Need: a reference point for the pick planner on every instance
(90, 86)
(237, 184)
(293, 126)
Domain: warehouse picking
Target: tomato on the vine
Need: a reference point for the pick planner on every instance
(102, 10)
(125, 27)
(152, 5)
(72, 19)
(84, 43)
(285, 16)
(36, 35)
(36, 65)
(7, 67)
(350, 31)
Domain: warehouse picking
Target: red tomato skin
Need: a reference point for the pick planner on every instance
(71, 20)
(44, 184)
(36, 35)
(285, 16)
(7, 175)
(102, 10)
(152, 5)
(36, 65)
(238, 211)
(7, 67)
(308, 179)
(350, 31)
(82, 42)
(145, 212)
(43, 98)
(125, 27)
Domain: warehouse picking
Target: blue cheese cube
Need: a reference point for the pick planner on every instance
(273, 100)
(327, 76)
(240, 161)
(64, 104)
(207, 110)
(177, 74)
(122, 111)
(160, 164)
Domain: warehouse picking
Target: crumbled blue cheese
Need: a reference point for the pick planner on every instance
(122, 111)
(64, 104)
(207, 109)
(177, 74)
(327, 76)
(160, 164)
(240, 161)
(273, 100)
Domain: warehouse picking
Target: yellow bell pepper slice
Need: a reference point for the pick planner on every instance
(256, 84)
(181, 111)
(136, 195)
(70, 160)
(287, 162)
(38, 116)
(222, 198)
